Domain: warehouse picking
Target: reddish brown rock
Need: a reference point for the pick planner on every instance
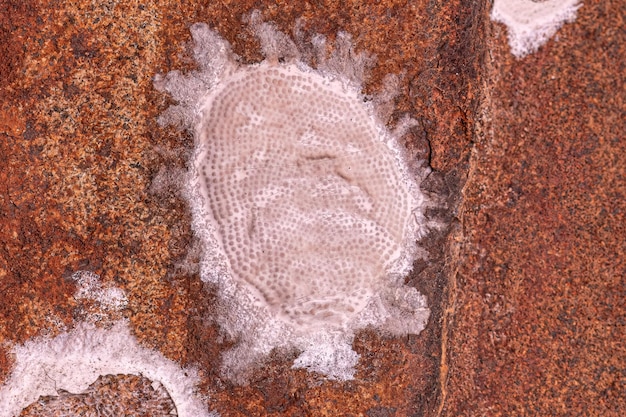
(527, 293)
(109, 396)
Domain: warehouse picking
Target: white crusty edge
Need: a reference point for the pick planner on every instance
(73, 360)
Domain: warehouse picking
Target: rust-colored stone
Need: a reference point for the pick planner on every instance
(537, 326)
(527, 293)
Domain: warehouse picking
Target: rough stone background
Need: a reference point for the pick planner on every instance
(108, 396)
(537, 321)
(526, 283)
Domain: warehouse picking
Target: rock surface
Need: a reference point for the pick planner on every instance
(109, 396)
(526, 284)
(538, 321)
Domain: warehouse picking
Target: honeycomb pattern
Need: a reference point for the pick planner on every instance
(309, 202)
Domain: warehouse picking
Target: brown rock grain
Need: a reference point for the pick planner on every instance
(538, 320)
(527, 290)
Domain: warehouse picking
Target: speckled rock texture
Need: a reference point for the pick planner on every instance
(109, 396)
(537, 311)
(525, 283)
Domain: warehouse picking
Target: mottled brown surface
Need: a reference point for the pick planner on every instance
(109, 396)
(81, 147)
(538, 324)
(528, 289)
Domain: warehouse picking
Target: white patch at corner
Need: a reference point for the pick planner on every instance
(328, 355)
(73, 360)
(531, 23)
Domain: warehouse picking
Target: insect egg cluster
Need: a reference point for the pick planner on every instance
(302, 200)
(309, 203)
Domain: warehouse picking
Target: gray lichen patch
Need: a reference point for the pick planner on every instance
(302, 199)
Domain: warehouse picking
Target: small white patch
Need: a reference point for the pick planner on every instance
(73, 360)
(89, 286)
(531, 23)
(330, 354)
